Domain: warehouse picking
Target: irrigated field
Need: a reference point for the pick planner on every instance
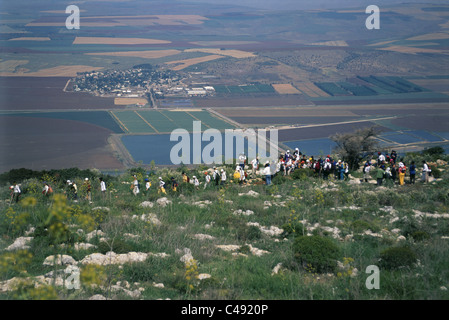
(165, 121)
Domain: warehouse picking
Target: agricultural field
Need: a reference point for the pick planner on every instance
(165, 121)
(285, 88)
(43, 143)
(370, 86)
(244, 89)
(256, 100)
(46, 93)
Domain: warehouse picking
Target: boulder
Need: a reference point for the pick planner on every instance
(20, 244)
(163, 201)
(59, 260)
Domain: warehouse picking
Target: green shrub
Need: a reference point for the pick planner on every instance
(395, 257)
(279, 179)
(433, 151)
(248, 233)
(117, 246)
(420, 235)
(317, 252)
(302, 173)
(436, 173)
(362, 225)
(292, 228)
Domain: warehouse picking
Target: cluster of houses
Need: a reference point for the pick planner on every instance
(136, 82)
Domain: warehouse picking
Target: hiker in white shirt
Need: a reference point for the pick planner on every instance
(223, 176)
(17, 192)
(425, 171)
(135, 186)
(207, 179)
(255, 165)
(196, 182)
(102, 188)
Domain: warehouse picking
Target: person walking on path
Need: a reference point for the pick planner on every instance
(412, 172)
(366, 171)
(216, 176)
(72, 190)
(88, 187)
(196, 182)
(174, 184)
(402, 170)
(161, 186)
(242, 160)
(147, 186)
(207, 178)
(267, 173)
(380, 175)
(394, 172)
(16, 192)
(425, 171)
(223, 177)
(135, 186)
(255, 165)
(47, 190)
(102, 188)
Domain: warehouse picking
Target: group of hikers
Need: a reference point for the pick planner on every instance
(390, 170)
(387, 168)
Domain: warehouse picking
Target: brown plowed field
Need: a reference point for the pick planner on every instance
(36, 93)
(40, 143)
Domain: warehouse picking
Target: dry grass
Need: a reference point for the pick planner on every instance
(222, 43)
(239, 54)
(381, 43)
(11, 65)
(128, 101)
(138, 20)
(60, 71)
(182, 64)
(413, 50)
(430, 36)
(150, 54)
(30, 39)
(285, 88)
(311, 90)
(106, 40)
(336, 43)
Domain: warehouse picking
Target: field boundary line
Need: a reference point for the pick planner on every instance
(146, 121)
(121, 124)
(66, 85)
(333, 123)
(196, 118)
(219, 116)
(166, 116)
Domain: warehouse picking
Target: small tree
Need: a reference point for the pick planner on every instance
(351, 146)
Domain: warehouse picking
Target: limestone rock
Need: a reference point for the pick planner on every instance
(20, 244)
(59, 260)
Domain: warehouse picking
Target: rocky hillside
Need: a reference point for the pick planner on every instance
(300, 238)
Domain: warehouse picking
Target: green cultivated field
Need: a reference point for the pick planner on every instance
(164, 121)
(243, 89)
